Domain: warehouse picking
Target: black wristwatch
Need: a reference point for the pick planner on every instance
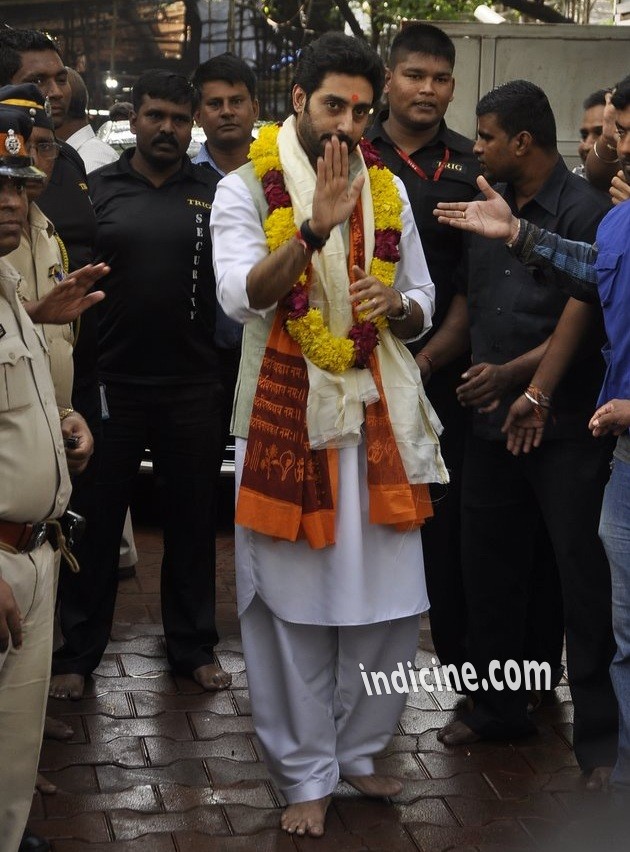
(312, 240)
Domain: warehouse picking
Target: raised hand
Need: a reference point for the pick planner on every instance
(333, 200)
(619, 188)
(70, 298)
(490, 218)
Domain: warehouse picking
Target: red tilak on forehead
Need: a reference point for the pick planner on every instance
(355, 97)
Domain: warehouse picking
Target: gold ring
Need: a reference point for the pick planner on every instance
(463, 214)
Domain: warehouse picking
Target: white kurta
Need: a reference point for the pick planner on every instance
(372, 573)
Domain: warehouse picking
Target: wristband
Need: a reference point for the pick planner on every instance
(314, 242)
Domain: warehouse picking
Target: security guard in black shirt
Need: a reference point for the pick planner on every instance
(435, 164)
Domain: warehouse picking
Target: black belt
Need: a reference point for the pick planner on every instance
(23, 538)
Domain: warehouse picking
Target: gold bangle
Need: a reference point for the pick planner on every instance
(65, 412)
(616, 160)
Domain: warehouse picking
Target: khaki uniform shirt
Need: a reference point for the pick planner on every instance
(39, 262)
(34, 479)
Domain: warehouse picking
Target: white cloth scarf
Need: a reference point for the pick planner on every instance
(336, 402)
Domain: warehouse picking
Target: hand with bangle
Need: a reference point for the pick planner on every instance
(526, 419)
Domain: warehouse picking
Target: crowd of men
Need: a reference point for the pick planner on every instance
(374, 366)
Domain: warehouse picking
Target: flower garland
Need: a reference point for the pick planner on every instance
(306, 324)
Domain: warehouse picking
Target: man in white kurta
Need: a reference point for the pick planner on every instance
(310, 617)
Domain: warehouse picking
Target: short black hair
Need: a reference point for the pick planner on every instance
(120, 111)
(13, 43)
(166, 85)
(227, 67)
(79, 97)
(621, 96)
(336, 53)
(520, 105)
(422, 38)
(597, 98)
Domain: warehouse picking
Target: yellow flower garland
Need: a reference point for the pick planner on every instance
(318, 344)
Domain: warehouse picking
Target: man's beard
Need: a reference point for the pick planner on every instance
(315, 144)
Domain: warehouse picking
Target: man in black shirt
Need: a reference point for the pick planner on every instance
(29, 56)
(435, 164)
(512, 313)
(158, 362)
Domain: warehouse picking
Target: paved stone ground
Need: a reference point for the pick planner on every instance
(156, 765)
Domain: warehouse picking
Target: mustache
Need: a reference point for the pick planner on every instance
(165, 138)
(340, 136)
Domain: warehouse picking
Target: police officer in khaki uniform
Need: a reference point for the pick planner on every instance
(35, 487)
(41, 258)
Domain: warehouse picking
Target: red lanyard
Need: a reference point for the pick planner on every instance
(418, 169)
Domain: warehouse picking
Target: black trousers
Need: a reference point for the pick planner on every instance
(182, 426)
(441, 540)
(503, 498)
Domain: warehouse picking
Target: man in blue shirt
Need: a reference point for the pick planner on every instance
(228, 109)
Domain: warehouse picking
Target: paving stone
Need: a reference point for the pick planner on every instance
(243, 704)
(246, 820)
(146, 843)
(64, 804)
(152, 703)
(109, 667)
(417, 721)
(75, 779)
(107, 703)
(227, 773)
(264, 841)
(161, 751)
(137, 665)
(508, 836)
(130, 824)
(179, 798)
(209, 725)
(86, 827)
(188, 772)
(172, 725)
(126, 751)
(160, 682)
(482, 811)
(468, 759)
(548, 758)
(373, 824)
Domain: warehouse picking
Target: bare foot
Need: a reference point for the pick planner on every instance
(55, 729)
(375, 786)
(45, 787)
(212, 678)
(457, 733)
(598, 778)
(67, 686)
(305, 817)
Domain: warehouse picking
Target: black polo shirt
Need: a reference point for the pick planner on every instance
(67, 204)
(442, 245)
(513, 308)
(156, 325)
